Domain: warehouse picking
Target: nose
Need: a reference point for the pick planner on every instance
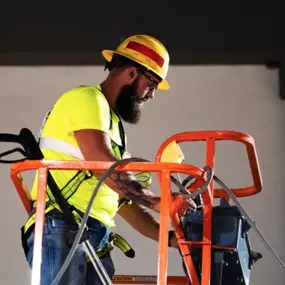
(150, 94)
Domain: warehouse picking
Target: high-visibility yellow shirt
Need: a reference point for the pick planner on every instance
(84, 107)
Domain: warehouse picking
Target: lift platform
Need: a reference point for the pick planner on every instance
(207, 256)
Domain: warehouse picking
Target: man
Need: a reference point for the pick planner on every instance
(86, 124)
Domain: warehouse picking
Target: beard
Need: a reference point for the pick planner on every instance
(127, 105)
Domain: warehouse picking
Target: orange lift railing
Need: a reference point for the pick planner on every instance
(164, 169)
(210, 138)
(168, 161)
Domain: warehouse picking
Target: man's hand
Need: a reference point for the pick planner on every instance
(133, 190)
(188, 205)
(173, 240)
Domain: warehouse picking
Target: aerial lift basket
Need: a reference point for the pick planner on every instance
(213, 240)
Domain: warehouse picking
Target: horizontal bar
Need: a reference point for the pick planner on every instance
(148, 279)
(200, 244)
(223, 135)
(103, 166)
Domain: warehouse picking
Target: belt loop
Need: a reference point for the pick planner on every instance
(52, 222)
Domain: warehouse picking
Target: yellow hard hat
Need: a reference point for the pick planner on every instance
(148, 52)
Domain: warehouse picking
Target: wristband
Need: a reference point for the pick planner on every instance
(170, 235)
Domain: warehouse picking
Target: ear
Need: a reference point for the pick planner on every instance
(131, 73)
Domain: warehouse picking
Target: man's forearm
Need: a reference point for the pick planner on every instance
(132, 189)
(142, 221)
(96, 145)
(148, 226)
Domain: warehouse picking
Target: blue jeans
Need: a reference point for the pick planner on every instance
(55, 250)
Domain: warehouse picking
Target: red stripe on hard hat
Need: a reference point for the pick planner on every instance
(146, 51)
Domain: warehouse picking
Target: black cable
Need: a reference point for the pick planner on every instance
(248, 219)
(185, 193)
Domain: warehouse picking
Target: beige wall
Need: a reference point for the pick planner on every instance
(201, 98)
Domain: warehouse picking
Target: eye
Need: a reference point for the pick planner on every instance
(153, 84)
(152, 87)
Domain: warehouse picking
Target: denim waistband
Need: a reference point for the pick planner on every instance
(91, 222)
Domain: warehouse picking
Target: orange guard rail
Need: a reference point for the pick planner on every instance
(169, 209)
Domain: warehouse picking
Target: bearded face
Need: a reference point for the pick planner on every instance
(132, 97)
(129, 104)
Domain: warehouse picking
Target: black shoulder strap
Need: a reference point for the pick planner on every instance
(111, 120)
(32, 151)
(122, 134)
(121, 129)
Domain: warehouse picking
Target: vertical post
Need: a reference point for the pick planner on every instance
(39, 226)
(23, 192)
(185, 250)
(163, 229)
(207, 228)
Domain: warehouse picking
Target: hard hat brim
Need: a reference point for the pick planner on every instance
(108, 54)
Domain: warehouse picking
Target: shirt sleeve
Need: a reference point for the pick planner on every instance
(87, 108)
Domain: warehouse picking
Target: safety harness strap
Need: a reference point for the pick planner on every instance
(118, 241)
(69, 149)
